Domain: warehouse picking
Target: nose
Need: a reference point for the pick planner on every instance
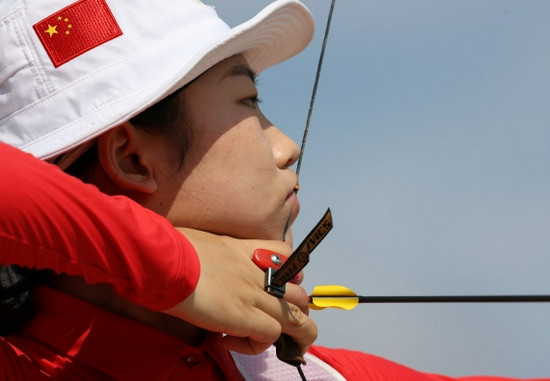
(285, 150)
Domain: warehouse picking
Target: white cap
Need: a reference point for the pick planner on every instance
(70, 70)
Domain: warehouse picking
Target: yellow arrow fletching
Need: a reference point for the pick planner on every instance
(333, 296)
(332, 290)
(342, 303)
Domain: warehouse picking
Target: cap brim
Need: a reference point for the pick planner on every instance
(277, 33)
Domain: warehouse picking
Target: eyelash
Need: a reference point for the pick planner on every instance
(252, 101)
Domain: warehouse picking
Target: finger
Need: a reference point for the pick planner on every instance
(294, 322)
(298, 296)
(301, 328)
(274, 246)
(244, 345)
(260, 327)
(298, 279)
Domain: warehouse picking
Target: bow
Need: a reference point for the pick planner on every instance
(358, 289)
(278, 275)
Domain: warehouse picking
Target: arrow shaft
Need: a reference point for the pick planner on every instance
(446, 298)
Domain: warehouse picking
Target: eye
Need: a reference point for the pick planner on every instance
(252, 101)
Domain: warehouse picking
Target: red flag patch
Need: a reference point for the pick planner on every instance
(75, 29)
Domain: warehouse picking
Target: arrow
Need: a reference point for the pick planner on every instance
(335, 296)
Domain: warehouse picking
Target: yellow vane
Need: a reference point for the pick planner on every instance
(332, 296)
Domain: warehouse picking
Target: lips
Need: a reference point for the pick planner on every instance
(296, 206)
(294, 191)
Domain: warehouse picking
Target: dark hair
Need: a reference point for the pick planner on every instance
(168, 118)
(171, 119)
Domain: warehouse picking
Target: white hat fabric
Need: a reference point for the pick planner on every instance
(115, 58)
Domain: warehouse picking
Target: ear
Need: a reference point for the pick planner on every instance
(123, 157)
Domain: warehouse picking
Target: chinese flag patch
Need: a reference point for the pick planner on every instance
(75, 29)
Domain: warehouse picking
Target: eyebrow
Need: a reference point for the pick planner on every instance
(240, 69)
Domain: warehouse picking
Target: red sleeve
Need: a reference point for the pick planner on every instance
(21, 367)
(50, 220)
(359, 366)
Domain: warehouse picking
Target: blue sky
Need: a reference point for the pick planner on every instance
(430, 142)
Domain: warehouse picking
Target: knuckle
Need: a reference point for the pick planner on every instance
(257, 348)
(297, 317)
(298, 296)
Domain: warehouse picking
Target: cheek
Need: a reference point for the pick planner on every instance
(225, 203)
(242, 155)
(230, 184)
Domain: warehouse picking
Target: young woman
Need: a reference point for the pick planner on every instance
(53, 220)
(203, 156)
(92, 67)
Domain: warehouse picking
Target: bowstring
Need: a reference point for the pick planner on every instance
(312, 101)
(315, 85)
(308, 122)
(301, 372)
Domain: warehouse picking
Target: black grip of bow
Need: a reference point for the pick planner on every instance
(287, 351)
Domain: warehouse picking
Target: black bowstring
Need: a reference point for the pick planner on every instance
(315, 85)
(308, 121)
(301, 372)
(312, 101)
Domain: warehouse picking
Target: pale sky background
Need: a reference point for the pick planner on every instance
(430, 142)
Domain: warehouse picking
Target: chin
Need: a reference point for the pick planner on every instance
(273, 232)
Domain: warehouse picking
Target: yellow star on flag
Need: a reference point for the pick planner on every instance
(51, 30)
